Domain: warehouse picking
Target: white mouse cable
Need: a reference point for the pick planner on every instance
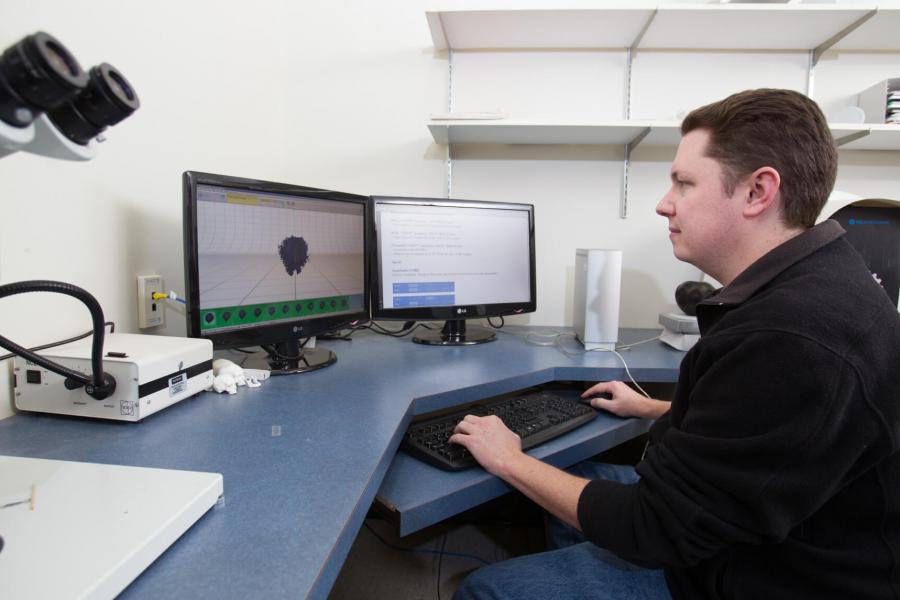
(614, 351)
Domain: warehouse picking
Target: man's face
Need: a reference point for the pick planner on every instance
(703, 219)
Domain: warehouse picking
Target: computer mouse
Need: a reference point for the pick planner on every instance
(587, 400)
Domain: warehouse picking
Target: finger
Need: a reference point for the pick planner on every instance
(463, 427)
(599, 388)
(458, 438)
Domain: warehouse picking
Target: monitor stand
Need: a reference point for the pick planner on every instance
(454, 334)
(276, 358)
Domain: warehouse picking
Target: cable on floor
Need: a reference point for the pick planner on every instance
(424, 551)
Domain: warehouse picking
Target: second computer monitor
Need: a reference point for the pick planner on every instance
(451, 260)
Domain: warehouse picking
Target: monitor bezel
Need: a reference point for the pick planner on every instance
(268, 333)
(458, 311)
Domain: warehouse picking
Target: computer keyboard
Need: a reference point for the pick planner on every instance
(536, 417)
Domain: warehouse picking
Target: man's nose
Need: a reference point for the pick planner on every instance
(665, 207)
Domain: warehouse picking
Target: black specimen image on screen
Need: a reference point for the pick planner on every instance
(294, 253)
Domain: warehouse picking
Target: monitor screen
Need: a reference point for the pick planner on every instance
(269, 263)
(451, 260)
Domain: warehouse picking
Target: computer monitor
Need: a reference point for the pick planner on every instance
(451, 260)
(270, 264)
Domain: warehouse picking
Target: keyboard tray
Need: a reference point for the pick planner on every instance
(536, 416)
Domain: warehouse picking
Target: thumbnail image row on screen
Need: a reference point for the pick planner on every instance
(224, 316)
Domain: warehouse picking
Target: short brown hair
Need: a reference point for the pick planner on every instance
(781, 129)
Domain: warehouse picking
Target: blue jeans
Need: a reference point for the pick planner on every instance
(575, 569)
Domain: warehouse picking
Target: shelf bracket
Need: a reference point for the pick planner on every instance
(640, 35)
(851, 137)
(634, 143)
(824, 46)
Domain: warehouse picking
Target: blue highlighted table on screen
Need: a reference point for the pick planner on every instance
(425, 287)
(424, 300)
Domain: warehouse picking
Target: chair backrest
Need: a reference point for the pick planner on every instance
(873, 228)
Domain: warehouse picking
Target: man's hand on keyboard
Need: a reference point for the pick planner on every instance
(492, 444)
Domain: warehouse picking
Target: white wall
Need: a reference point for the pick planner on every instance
(335, 94)
(327, 94)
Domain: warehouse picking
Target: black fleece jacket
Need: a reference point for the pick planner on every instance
(776, 472)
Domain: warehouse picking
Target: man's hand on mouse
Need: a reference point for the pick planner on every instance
(621, 400)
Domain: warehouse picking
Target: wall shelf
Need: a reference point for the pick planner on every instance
(813, 28)
(702, 26)
(617, 133)
(523, 131)
(878, 137)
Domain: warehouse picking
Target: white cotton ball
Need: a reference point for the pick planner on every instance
(223, 366)
(236, 372)
(221, 363)
(225, 383)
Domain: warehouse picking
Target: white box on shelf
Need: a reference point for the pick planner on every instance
(874, 100)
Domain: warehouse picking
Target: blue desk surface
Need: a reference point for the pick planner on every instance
(295, 501)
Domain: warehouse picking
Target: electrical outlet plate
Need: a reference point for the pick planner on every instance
(151, 313)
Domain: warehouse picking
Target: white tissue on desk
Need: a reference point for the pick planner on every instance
(227, 377)
(224, 383)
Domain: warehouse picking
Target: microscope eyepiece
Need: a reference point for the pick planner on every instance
(107, 99)
(36, 74)
(39, 75)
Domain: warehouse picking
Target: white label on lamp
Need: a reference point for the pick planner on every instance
(177, 384)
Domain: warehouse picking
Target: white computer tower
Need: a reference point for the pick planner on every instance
(598, 277)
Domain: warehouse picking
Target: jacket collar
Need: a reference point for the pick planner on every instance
(771, 264)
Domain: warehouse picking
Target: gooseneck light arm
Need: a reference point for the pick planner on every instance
(100, 384)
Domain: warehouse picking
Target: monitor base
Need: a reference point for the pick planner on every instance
(454, 334)
(310, 359)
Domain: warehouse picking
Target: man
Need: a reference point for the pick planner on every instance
(775, 473)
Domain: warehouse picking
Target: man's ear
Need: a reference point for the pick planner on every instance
(763, 186)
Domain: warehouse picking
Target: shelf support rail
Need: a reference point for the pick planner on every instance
(629, 55)
(811, 74)
(623, 205)
(628, 58)
(449, 111)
